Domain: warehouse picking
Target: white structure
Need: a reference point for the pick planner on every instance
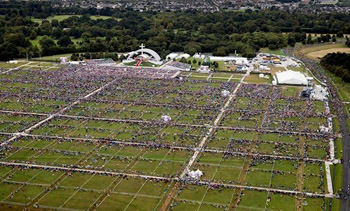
(63, 60)
(225, 93)
(183, 55)
(319, 93)
(261, 75)
(13, 62)
(166, 118)
(291, 78)
(172, 56)
(195, 174)
(77, 62)
(199, 56)
(237, 60)
(203, 69)
(146, 53)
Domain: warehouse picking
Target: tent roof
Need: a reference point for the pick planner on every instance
(291, 77)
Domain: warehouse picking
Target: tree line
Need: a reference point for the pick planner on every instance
(339, 64)
(222, 33)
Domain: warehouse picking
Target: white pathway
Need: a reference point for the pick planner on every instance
(211, 129)
(329, 179)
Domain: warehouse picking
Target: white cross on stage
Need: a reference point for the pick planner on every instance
(142, 46)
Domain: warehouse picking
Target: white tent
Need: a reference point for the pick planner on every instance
(166, 118)
(225, 93)
(195, 174)
(183, 55)
(172, 56)
(291, 77)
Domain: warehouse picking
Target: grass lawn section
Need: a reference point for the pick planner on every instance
(193, 192)
(24, 175)
(57, 197)
(26, 194)
(228, 173)
(221, 196)
(143, 203)
(281, 202)
(167, 168)
(99, 182)
(4, 171)
(6, 189)
(338, 177)
(115, 202)
(145, 167)
(82, 200)
(286, 181)
(258, 178)
(259, 201)
(76, 180)
(53, 58)
(181, 206)
(131, 185)
(154, 188)
(46, 177)
(311, 204)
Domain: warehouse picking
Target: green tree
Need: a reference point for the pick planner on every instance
(64, 41)
(33, 35)
(48, 46)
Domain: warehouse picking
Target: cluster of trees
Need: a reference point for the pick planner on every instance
(339, 64)
(221, 32)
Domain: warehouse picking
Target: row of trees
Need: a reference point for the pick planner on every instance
(339, 64)
(221, 32)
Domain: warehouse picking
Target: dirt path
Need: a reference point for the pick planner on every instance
(322, 53)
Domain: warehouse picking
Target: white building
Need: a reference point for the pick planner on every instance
(237, 60)
(290, 77)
